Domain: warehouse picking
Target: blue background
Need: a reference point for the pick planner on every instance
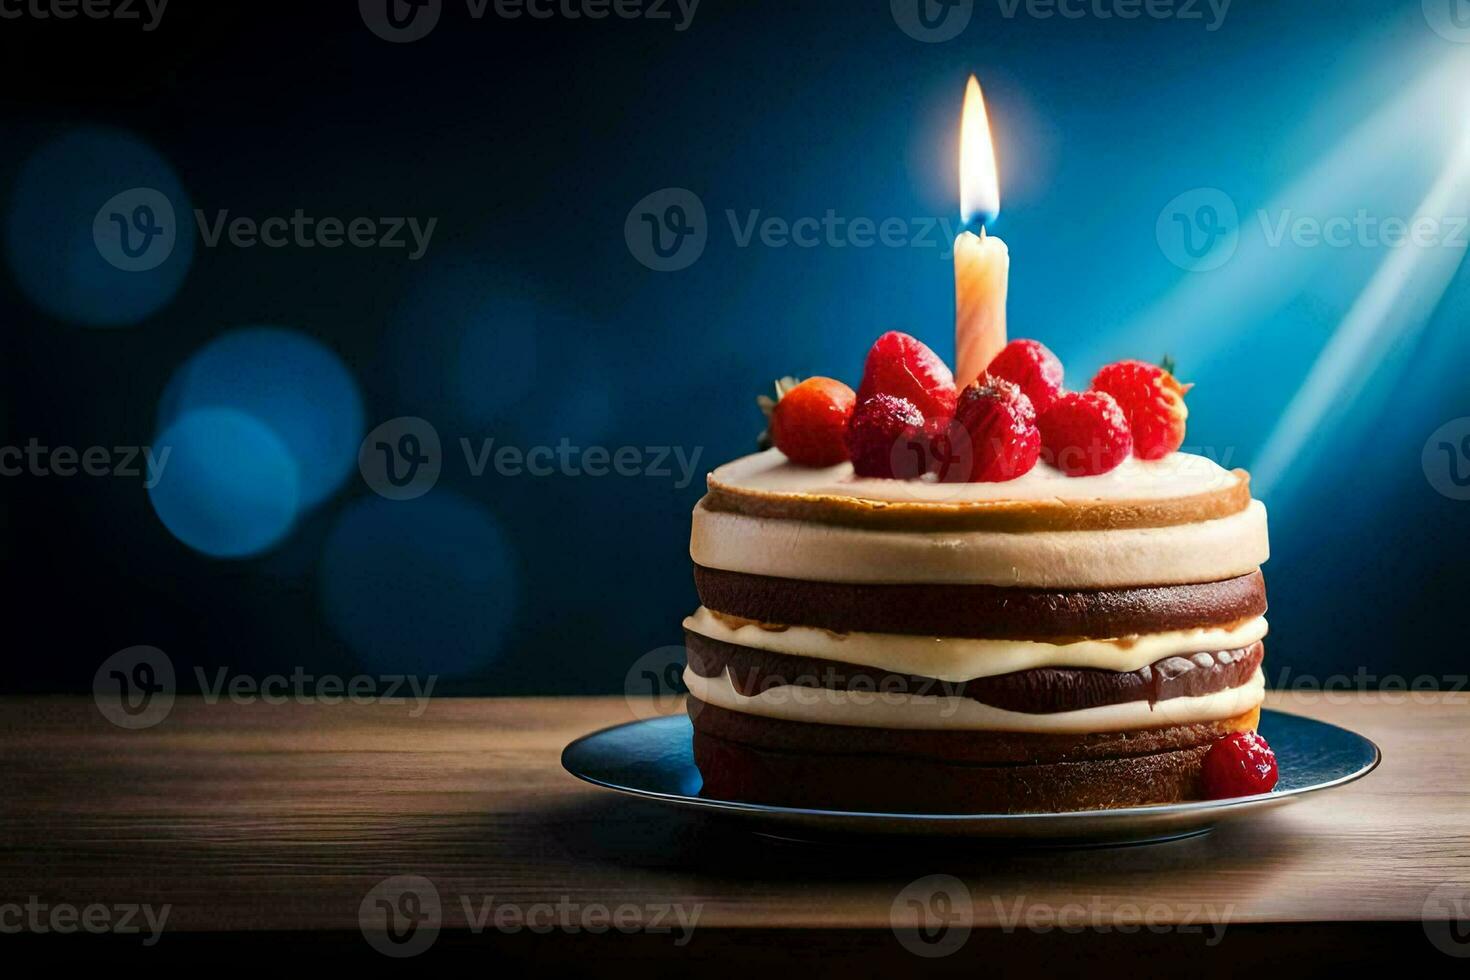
(530, 321)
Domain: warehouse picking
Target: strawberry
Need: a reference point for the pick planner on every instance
(1240, 764)
(1000, 424)
(901, 366)
(1084, 433)
(885, 438)
(1031, 365)
(809, 422)
(1152, 401)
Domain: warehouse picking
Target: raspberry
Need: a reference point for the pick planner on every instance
(1152, 401)
(885, 437)
(901, 366)
(1240, 764)
(1000, 423)
(1084, 433)
(809, 422)
(947, 448)
(1032, 366)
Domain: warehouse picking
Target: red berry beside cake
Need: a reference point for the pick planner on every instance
(1008, 598)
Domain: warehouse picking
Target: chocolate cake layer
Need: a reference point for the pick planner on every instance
(953, 746)
(983, 611)
(848, 781)
(1041, 690)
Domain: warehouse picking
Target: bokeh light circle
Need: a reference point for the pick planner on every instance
(424, 587)
(98, 229)
(463, 344)
(228, 486)
(295, 386)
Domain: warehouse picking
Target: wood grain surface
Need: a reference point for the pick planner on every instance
(250, 816)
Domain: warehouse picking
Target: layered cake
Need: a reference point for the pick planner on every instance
(1009, 598)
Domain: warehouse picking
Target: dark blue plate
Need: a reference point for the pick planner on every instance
(654, 759)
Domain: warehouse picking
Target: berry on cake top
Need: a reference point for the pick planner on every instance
(907, 421)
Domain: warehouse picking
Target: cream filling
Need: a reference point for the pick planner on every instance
(879, 709)
(961, 658)
(1205, 551)
(1176, 475)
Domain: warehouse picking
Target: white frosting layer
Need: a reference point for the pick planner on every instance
(961, 659)
(1176, 475)
(945, 712)
(1206, 551)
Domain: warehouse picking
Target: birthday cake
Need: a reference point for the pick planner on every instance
(1007, 598)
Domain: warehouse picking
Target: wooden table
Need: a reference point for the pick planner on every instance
(283, 817)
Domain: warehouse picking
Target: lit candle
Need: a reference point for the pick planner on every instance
(982, 263)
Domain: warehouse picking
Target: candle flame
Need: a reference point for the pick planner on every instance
(979, 185)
